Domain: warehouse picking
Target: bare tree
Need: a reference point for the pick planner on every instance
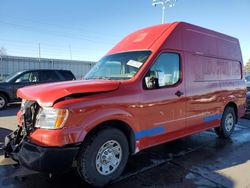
(3, 51)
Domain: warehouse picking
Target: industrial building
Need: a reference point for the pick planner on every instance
(12, 64)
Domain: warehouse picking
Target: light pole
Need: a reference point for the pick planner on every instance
(164, 4)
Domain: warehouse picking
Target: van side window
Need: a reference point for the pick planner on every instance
(165, 71)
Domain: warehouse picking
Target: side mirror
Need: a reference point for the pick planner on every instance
(151, 82)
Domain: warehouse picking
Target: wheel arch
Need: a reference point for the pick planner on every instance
(116, 124)
(234, 106)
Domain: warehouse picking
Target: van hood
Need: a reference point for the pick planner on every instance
(48, 94)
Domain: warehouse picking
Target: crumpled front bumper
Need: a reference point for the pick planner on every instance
(44, 159)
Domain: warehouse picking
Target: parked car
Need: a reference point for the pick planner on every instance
(158, 84)
(20, 79)
(248, 102)
(247, 79)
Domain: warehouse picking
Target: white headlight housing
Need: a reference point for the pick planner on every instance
(23, 102)
(51, 118)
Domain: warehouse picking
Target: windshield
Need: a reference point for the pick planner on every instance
(11, 76)
(122, 66)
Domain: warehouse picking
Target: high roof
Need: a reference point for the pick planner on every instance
(181, 36)
(142, 39)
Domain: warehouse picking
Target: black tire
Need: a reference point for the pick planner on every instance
(86, 161)
(225, 131)
(3, 101)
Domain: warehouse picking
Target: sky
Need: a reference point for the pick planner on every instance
(86, 30)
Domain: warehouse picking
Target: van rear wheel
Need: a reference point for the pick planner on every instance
(103, 157)
(228, 122)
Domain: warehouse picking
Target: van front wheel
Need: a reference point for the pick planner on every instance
(103, 157)
(228, 122)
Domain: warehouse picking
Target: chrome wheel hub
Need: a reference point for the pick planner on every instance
(2, 102)
(108, 157)
(229, 122)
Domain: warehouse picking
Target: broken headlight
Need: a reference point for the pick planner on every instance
(51, 118)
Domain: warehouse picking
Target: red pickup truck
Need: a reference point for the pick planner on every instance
(158, 84)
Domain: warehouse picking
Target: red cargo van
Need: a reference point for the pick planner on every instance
(158, 84)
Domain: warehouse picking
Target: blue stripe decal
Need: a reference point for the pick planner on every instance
(149, 132)
(212, 118)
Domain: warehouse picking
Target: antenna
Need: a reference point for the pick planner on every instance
(164, 3)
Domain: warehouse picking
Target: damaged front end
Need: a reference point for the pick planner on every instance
(14, 140)
(19, 147)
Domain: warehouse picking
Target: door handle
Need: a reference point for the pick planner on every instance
(179, 93)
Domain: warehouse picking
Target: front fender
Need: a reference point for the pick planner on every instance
(78, 125)
(104, 115)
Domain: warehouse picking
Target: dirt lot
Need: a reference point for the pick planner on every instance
(201, 160)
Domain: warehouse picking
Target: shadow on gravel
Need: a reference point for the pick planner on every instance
(3, 132)
(10, 110)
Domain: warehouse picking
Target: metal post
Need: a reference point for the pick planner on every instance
(52, 63)
(163, 14)
(169, 3)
